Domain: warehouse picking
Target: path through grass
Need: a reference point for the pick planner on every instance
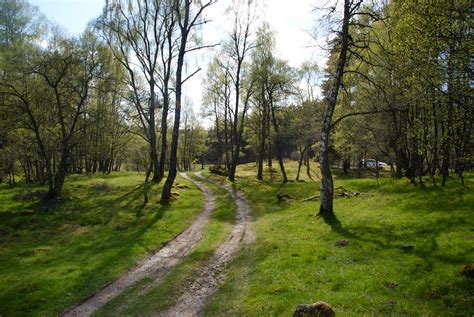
(296, 260)
(54, 255)
(150, 296)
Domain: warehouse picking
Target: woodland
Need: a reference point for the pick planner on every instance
(353, 181)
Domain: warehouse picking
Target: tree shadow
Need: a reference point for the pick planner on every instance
(96, 230)
(385, 238)
(332, 220)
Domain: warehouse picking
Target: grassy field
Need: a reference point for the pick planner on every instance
(296, 260)
(53, 255)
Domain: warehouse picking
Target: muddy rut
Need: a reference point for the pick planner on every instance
(157, 265)
(193, 301)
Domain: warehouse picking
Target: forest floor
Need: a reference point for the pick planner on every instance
(287, 255)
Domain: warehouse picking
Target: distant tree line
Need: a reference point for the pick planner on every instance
(397, 87)
(89, 104)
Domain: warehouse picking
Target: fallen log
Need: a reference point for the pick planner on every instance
(283, 197)
(312, 198)
(336, 194)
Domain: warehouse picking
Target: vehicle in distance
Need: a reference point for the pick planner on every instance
(373, 163)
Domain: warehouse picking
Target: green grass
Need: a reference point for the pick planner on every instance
(295, 259)
(53, 255)
(148, 296)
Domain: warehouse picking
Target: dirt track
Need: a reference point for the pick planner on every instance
(157, 265)
(193, 301)
(197, 296)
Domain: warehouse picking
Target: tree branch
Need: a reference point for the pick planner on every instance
(195, 72)
(362, 113)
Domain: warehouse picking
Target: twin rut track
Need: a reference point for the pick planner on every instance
(195, 298)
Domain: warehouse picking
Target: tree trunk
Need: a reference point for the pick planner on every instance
(60, 174)
(145, 185)
(166, 192)
(327, 185)
(235, 150)
(278, 145)
(260, 166)
(270, 161)
(282, 166)
(261, 152)
(308, 165)
(152, 134)
(185, 28)
(231, 171)
(164, 131)
(346, 165)
(300, 162)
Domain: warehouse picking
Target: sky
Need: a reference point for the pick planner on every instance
(291, 21)
(72, 15)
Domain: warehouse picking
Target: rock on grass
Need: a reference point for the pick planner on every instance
(318, 309)
(468, 270)
(407, 247)
(342, 243)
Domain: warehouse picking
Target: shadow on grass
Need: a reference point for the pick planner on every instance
(91, 256)
(384, 238)
(157, 293)
(427, 256)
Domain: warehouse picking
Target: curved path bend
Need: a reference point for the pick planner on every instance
(194, 300)
(157, 265)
